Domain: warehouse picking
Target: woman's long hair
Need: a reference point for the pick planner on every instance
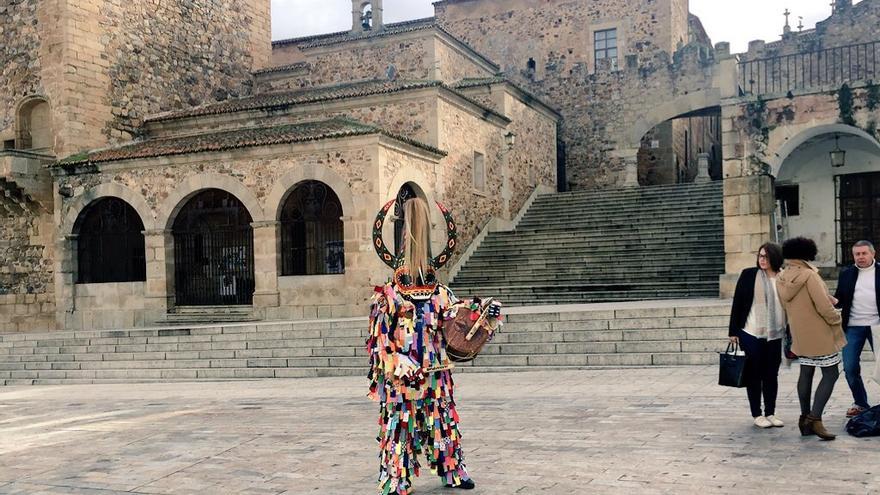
(416, 236)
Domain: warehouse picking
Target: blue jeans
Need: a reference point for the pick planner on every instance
(852, 353)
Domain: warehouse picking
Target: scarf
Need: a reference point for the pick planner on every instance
(766, 307)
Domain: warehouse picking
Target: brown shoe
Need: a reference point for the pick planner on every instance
(819, 428)
(805, 426)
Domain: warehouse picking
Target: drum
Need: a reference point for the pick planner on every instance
(468, 331)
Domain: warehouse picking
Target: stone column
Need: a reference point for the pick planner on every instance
(159, 287)
(631, 171)
(65, 282)
(702, 168)
(266, 253)
(748, 203)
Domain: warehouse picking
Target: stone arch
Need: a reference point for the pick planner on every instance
(196, 183)
(33, 124)
(133, 198)
(682, 105)
(414, 177)
(777, 159)
(285, 184)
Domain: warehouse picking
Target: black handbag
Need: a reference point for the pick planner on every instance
(731, 372)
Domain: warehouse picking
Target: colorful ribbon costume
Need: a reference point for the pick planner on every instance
(417, 409)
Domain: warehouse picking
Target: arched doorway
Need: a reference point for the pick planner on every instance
(669, 153)
(110, 243)
(312, 231)
(834, 206)
(34, 126)
(213, 251)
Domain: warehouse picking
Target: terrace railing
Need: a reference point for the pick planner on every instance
(813, 69)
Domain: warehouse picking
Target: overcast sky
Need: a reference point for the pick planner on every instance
(725, 20)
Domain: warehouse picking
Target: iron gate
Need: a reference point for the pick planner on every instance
(858, 213)
(214, 268)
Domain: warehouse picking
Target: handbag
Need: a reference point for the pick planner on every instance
(786, 345)
(731, 372)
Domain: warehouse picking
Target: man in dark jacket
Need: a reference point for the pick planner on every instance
(859, 298)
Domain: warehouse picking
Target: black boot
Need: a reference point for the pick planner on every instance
(465, 485)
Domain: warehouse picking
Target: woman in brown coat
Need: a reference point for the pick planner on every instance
(817, 335)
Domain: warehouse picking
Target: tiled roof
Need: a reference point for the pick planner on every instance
(297, 97)
(471, 82)
(343, 36)
(282, 68)
(241, 138)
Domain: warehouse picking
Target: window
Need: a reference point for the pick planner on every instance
(789, 197)
(605, 46)
(312, 231)
(479, 172)
(110, 246)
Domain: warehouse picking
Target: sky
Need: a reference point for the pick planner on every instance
(735, 21)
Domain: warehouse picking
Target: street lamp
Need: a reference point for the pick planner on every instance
(838, 156)
(510, 140)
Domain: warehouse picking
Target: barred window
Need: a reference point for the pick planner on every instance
(605, 46)
(110, 246)
(312, 231)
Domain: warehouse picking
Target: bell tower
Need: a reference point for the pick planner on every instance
(366, 15)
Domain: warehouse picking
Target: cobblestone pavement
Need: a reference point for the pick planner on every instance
(634, 431)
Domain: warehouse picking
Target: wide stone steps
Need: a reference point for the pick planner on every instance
(643, 243)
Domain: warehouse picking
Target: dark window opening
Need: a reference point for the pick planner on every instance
(312, 231)
(789, 196)
(110, 246)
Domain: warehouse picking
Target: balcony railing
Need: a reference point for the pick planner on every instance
(806, 70)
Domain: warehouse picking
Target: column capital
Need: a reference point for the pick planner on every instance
(153, 232)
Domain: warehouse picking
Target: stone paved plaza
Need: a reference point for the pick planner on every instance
(633, 431)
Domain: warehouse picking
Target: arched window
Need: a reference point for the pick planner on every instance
(34, 126)
(110, 243)
(312, 231)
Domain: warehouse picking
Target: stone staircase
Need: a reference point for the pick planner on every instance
(621, 335)
(664, 242)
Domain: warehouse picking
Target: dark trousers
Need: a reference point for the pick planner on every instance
(761, 372)
(852, 355)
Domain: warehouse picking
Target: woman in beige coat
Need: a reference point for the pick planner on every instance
(817, 335)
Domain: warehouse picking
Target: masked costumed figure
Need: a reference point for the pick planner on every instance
(410, 373)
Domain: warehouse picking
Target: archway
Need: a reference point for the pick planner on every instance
(213, 251)
(670, 152)
(835, 206)
(109, 243)
(312, 240)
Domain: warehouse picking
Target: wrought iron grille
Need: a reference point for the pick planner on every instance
(312, 231)
(805, 70)
(858, 216)
(110, 246)
(213, 252)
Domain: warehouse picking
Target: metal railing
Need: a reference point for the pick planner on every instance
(806, 70)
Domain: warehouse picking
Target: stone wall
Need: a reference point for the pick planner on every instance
(461, 134)
(453, 64)
(158, 63)
(27, 300)
(30, 61)
(600, 107)
(105, 64)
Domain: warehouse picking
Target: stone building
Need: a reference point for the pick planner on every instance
(193, 186)
(153, 171)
